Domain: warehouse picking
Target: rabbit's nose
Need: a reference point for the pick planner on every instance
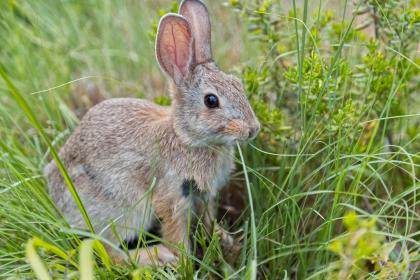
(253, 130)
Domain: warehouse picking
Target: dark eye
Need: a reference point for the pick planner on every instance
(211, 101)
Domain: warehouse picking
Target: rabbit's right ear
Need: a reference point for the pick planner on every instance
(195, 11)
(174, 50)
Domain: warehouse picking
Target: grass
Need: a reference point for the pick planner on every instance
(340, 116)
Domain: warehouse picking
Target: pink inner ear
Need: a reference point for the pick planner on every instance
(174, 46)
(198, 16)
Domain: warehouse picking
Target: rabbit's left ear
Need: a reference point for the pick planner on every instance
(198, 16)
(174, 50)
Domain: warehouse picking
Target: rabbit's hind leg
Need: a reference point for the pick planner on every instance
(156, 255)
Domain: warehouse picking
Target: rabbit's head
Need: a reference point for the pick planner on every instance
(210, 106)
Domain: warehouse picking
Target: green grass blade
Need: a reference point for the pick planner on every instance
(18, 97)
(252, 267)
(87, 263)
(35, 261)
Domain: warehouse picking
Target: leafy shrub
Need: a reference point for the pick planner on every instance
(331, 98)
(364, 252)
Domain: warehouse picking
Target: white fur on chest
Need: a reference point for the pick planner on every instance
(222, 175)
(209, 175)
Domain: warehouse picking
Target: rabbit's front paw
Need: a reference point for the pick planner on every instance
(230, 246)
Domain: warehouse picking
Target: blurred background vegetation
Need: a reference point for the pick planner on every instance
(333, 173)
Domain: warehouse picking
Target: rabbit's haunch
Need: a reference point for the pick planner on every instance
(147, 239)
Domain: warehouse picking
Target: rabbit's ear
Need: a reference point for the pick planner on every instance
(174, 47)
(198, 16)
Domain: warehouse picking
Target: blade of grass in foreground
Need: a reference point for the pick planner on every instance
(252, 270)
(18, 97)
(87, 262)
(38, 266)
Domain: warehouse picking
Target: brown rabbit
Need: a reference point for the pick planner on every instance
(125, 147)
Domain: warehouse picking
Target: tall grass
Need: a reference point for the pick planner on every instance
(340, 131)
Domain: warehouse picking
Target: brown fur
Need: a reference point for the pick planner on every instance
(123, 146)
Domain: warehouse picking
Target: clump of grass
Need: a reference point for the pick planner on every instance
(340, 132)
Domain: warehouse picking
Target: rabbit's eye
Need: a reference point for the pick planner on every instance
(211, 101)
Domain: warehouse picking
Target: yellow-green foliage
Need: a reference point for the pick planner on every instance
(364, 252)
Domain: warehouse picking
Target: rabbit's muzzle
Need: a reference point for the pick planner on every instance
(241, 130)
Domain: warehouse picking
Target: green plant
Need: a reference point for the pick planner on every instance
(364, 252)
(343, 97)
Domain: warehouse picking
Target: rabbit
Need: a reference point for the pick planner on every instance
(134, 162)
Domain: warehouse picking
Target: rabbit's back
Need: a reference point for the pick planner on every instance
(108, 159)
(115, 126)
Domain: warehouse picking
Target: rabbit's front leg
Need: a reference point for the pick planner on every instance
(231, 247)
(174, 211)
